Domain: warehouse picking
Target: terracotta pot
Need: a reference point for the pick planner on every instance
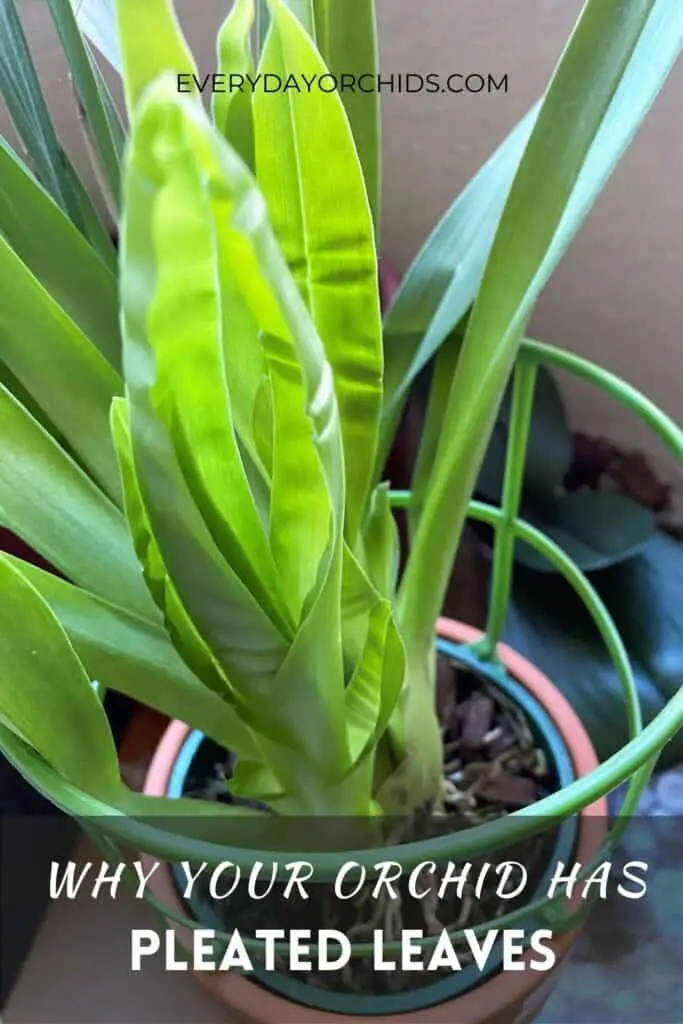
(506, 998)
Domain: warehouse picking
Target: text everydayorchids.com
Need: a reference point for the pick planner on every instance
(404, 83)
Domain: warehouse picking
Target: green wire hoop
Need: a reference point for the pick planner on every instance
(634, 762)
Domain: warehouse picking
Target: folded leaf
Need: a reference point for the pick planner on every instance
(180, 627)
(381, 542)
(138, 23)
(45, 695)
(347, 39)
(60, 368)
(301, 516)
(186, 331)
(232, 112)
(56, 253)
(52, 505)
(252, 649)
(375, 687)
(321, 216)
(134, 656)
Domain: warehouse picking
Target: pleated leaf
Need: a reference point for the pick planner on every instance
(186, 325)
(178, 623)
(374, 689)
(232, 113)
(151, 43)
(322, 219)
(347, 39)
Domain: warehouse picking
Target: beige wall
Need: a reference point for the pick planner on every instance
(618, 296)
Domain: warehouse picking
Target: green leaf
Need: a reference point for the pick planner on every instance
(23, 96)
(549, 445)
(55, 252)
(301, 519)
(645, 596)
(142, 823)
(47, 500)
(609, 75)
(232, 113)
(134, 656)
(60, 368)
(595, 528)
(381, 541)
(89, 91)
(347, 40)
(443, 369)
(375, 687)
(549, 625)
(303, 12)
(191, 392)
(97, 20)
(152, 43)
(443, 280)
(253, 648)
(45, 696)
(321, 217)
(178, 623)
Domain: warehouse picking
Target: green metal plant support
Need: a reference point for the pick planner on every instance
(634, 762)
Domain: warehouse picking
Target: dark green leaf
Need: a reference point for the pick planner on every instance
(645, 596)
(549, 625)
(595, 528)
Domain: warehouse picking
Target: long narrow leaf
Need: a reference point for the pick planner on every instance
(59, 366)
(89, 92)
(613, 68)
(321, 216)
(347, 40)
(56, 253)
(135, 657)
(52, 505)
(45, 694)
(137, 24)
(232, 113)
(21, 90)
(442, 283)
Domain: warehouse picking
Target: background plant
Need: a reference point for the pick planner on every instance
(309, 687)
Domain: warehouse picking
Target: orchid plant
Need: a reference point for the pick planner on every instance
(194, 429)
